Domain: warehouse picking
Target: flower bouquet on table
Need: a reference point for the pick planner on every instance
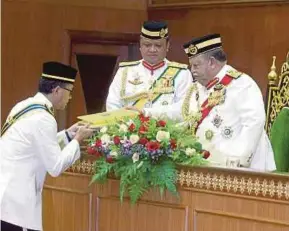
(143, 152)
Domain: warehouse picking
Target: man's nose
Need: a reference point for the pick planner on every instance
(153, 48)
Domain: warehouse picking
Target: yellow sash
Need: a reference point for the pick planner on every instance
(163, 85)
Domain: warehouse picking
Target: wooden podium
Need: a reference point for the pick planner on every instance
(211, 199)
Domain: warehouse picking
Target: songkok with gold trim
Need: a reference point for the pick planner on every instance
(58, 71)
(202, 44)
(154, 30)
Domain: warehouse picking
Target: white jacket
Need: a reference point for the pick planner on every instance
(237, 125)
(29, 149)
(138, 72)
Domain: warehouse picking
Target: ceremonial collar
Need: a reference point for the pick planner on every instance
(152, 68)
(218, 77)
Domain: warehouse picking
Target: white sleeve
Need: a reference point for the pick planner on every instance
(250, 108)
(113, 100)
(174, 111)
(54, 159)
(62, 139)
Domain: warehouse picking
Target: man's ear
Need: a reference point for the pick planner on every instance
(168, 45)
(213, 61)
(56, 90)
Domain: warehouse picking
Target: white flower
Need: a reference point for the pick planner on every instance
(162, 135)
(113, 153)
(190, 151)
(123, 128)
(135, 157)
(134, 139)
(105, 138)
(103, 129)
(130, 122)
(124, 140)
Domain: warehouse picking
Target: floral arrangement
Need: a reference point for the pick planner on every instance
(143, 152)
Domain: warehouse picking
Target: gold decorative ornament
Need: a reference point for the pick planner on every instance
(216, 97)
(278, 92)
(272, 76)
(209, 134)
(192, 49)
(162, 33)
(217, 121)
(217, 182)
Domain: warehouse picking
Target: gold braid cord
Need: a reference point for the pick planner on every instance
(278, 92)
(142, 94)
(215, 98)
(191, 118)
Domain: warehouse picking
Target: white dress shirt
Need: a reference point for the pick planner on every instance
(29, 149)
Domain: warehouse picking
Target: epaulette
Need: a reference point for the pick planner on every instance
(234, 73)
(127, 64)
(178, 65)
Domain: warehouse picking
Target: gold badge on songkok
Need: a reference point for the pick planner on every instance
(227, 132)
(217, 121)
(209, 134)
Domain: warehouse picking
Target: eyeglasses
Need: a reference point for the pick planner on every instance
(70, 90)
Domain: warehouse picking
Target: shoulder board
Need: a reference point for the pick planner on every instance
(127, 64)
(178, 65)
(234, 73)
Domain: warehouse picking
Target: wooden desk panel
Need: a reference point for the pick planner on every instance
(211, 199)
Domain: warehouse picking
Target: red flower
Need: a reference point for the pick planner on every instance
(173, 144)
(97, 154)
(161, 123)
(131, 127)
(109, 159)
(98, 143)
(143, 129)
(153, 145)
(206, 154)
(116, 140)
(90, 150)
(144, 118)
(143, 141)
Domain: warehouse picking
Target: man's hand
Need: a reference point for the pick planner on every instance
(74, 128)
(83, 132)
(132, 108)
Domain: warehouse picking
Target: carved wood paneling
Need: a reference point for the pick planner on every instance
(146, 215)
(173, 4)
(208, 220)
(61, 210)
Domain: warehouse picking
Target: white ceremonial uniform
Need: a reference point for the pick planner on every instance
(29, 149)
(139, 80)
(234, 130)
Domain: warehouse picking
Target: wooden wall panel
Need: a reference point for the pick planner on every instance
(251, 34)
(142, 217)
(35, 31)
